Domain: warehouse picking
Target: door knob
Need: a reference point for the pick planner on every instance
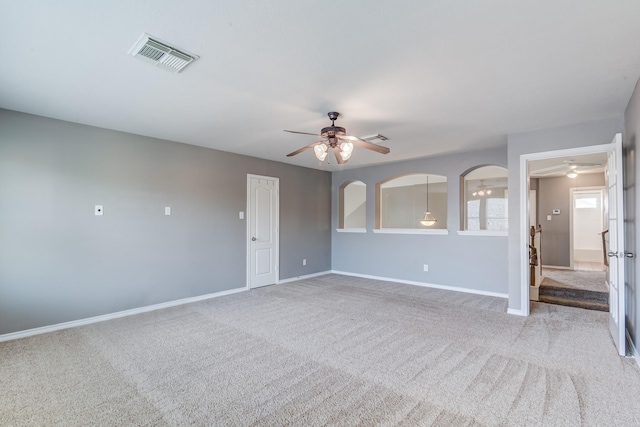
(253, 239)
(629, 254)
(612, 254)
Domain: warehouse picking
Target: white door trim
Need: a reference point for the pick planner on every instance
(524, 208)
(248, 228)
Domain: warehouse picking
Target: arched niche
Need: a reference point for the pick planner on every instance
(401, 202)
(352, 205)
(483, 199)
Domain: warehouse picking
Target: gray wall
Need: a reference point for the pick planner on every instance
(59, 262)
(594, 132)
(555, 193)
(461, 261)
(632, 132)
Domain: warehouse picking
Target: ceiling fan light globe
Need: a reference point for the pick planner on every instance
(346, 147)
(346, 150)
(488, 191)
(320, 151)
(572, 174)
(481, 193)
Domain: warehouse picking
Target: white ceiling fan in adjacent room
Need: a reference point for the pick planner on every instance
(568, 167)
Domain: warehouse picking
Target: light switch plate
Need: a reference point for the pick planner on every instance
(241, 215)
(167, 210)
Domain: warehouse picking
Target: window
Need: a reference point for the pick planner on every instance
(586, 203)
(484, 201)
(353, 206)
(401, 202)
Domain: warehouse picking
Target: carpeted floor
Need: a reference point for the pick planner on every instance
(576, 279)
(332, 350)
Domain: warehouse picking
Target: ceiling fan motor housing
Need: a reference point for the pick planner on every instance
(330, 133)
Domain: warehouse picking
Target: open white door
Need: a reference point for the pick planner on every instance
(262, 230)
(615, 250)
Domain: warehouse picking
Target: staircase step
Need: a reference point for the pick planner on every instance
(574, 294)
(589, 305)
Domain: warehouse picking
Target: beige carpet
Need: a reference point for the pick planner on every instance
(331, 350)
(575, 279)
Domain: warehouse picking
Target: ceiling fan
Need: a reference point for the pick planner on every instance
(567, 167)
(336, 138)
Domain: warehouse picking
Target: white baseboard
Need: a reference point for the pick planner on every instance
(634, 350)
(116, 315)
(556, 267)
(424, 284)
(306, 276)
(515, 312)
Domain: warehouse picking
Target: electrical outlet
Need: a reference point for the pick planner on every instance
(426, 267)
(304, 261)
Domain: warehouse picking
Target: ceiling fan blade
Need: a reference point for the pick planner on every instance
(587, 165)
(365, 144)
(574, 163)
(305, 148)
(551, 169)
(336, 151)
(302, 133)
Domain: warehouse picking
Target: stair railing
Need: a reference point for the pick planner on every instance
(604, 247)
(535, 255)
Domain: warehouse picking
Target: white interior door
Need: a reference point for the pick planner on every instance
(615, 274)
(262, 230)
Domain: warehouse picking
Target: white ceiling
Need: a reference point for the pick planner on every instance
(433, 76)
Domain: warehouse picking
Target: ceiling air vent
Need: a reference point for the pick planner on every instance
(161, 54)
(375, 139)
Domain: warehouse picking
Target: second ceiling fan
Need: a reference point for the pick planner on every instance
(336, 138)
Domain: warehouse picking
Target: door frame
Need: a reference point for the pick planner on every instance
(248, 228)
(572, 191)
(524, 208)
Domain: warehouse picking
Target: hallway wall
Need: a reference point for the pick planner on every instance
(555, 193)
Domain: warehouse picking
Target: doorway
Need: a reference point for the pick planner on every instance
(613, 208)
(588, 222)
(571, 203)
(262, 230)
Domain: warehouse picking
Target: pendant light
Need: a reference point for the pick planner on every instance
(428, 219)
